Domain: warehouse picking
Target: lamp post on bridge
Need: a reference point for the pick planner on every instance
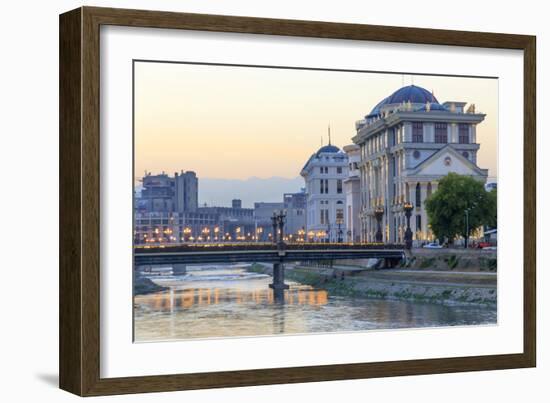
(467, 234)
(281, 224)
(408, 233)
(378, 214)
(274, 225)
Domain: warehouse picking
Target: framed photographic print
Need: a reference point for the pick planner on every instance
(249, 201)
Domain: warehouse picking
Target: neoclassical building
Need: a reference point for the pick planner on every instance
(408, 142)
(324, 174)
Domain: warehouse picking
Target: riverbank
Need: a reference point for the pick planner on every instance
(143, 286)
(446, 259)
(469, 285)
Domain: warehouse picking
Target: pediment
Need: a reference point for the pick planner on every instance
(445, 161)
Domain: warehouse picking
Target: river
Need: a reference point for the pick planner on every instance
(227, 300)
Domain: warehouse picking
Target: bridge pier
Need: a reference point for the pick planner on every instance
(278, 286)
(179, 269)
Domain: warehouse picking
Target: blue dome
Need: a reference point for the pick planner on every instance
(412, 93)
(328, 149)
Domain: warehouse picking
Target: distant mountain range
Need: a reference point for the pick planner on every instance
(220, 192)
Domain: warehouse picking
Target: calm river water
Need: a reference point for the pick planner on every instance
(224, 301)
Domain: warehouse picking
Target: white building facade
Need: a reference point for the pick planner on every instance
(407, 143)
(352, 188)
(324, 174)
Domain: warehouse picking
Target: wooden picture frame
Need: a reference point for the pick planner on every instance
(79, 346)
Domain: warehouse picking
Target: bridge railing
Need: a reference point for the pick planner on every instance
(243, 246)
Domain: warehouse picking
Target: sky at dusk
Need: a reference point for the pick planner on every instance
(240, 122)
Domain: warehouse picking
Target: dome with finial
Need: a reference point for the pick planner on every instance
(329, 148)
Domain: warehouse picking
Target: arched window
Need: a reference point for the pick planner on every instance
(417, 195)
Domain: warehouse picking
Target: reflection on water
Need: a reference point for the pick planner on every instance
(186, 298)
(227, 301)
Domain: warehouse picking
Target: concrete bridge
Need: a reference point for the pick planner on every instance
(267, 252)
(180, 256)
(278, 253)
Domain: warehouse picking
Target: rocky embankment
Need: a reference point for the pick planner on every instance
(446, 277)
(143, 285)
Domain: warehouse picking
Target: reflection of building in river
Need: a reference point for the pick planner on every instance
(187, 298)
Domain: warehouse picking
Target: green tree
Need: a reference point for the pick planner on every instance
(459, 199)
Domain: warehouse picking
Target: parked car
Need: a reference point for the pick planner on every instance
(490, 248)
(483, 245)
(432, 245)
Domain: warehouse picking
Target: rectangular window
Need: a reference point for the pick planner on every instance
(340, 216)
(339, 186)
(463, 133)
(324, 186)
(324, 216)
(441, 132)
(338, 170)
(419, 223)
(417, 132)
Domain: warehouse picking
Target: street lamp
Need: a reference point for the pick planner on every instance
(378, 214)
(206, 232)
(281, 223)
(467, 219)
(301, 233)
(408, 207)
(186, 234)
(274, 225)
(259, 232)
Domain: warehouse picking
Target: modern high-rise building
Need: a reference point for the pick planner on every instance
(407, 143)
(324, 174)
(162, 193)
(157, 194)
(186, 191)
